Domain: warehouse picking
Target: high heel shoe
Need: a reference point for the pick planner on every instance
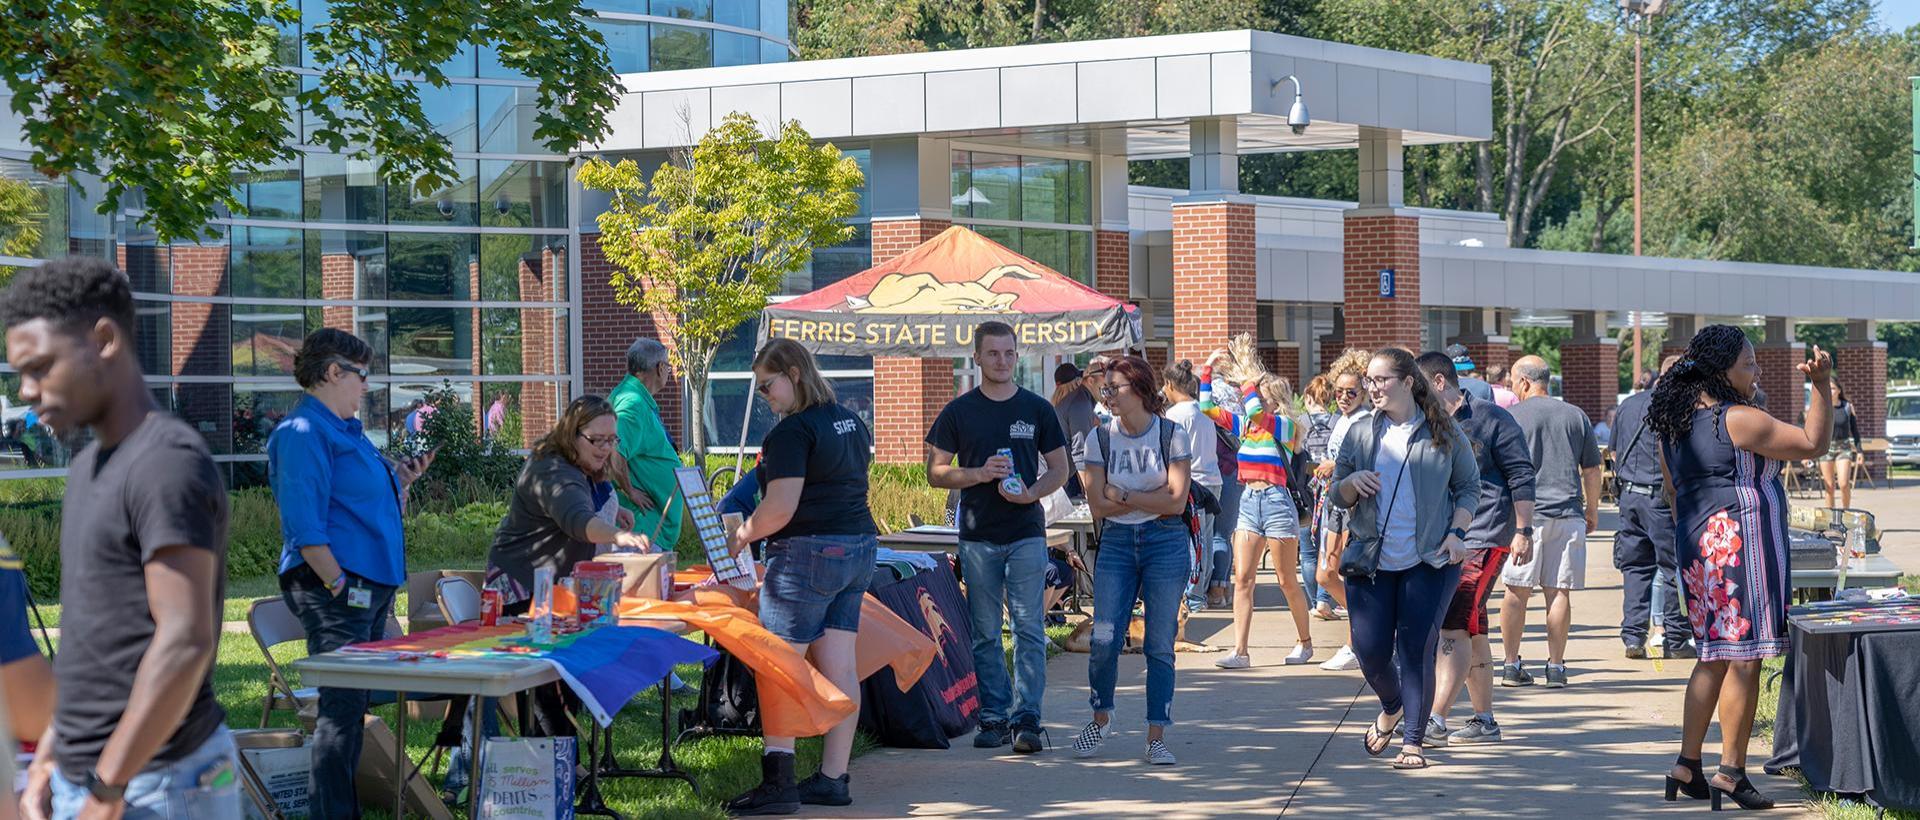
(1695, 788)
(1742, 792)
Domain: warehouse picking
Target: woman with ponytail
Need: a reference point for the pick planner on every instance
(1721, 457)
(1412, 483)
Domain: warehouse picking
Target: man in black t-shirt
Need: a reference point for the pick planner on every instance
(1003, 537)
(143, 544)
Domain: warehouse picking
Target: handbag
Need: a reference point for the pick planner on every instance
(1361, 558)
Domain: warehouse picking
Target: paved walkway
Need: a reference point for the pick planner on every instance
(1247, 739)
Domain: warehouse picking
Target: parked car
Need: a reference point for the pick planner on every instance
(1903, 426)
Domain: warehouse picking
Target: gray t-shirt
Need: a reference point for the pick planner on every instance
(1561, 440)
(1135, 463)
(1077, 419)
(1398, 550)
(156, 489)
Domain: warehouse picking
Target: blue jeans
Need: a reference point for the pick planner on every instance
(203, 785)
(1395, 617)
(1138, 562)
(332, 621)
(1014, 574)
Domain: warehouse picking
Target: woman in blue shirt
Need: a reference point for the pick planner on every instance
(341, 556)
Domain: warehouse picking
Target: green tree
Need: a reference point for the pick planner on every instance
(716, 230)
(1544, 342)
(23, 209)
(174, 98)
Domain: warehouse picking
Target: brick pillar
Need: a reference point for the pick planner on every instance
(201, 342)
(911, 392)
(338, 272)
(1861, 368)
(1377, 239)
(1113, 264)
(1590, 375)
(892, 237)
(540, 328)
(1779, 378)
(1213, 276)
(613, 327)
(1488, 351)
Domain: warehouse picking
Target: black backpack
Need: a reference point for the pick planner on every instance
(729, 699)
(1199, 498)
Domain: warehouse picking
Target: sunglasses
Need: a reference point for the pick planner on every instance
(1346, 392)
(601, 441)
(349, 367)
(763, 387)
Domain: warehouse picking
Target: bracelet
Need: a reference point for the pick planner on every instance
(338, 582)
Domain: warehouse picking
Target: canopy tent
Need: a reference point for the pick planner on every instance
(929, 300)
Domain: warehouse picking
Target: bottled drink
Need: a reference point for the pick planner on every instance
(1012, 483)
(540, 613)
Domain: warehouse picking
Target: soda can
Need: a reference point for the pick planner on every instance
(490, 605)
(1012, 483)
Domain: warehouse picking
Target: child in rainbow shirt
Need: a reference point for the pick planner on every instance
(1260, 414)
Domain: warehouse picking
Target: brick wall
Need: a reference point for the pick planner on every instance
(1157, 358)
(910, 392)
(1590, 376)
(1374, 242)
(1213, 276)
(1112, 264)
(610, 328)
(1330, 349)
(201, 343)
(1781, 381)
(892, 237)
(1487, 352)
(539, 409)
(1861, 368)
(337, 274)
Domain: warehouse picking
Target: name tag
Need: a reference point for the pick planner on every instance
(359, 597)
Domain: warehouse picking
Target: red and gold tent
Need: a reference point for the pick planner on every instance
(929, 300)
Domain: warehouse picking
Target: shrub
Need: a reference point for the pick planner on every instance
(464, 458)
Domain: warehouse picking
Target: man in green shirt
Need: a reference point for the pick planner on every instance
(644, 462)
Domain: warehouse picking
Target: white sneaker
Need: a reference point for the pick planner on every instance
(1090, 737)
(1234, 662)
(1301, 653)
(1343, 661)
(1158, 754)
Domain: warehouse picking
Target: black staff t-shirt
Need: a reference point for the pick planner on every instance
(828, 447)
(156, 489)
(975, 428)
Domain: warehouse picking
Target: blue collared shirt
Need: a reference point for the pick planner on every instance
(334, 488)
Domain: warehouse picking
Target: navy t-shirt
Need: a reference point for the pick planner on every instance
(974, 428)
(830, 448)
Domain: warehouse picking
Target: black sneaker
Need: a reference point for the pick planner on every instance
(1681, 651)
(1026, 737)
(776, 793)
(992, 736)
(1636, 651)
(1515, 674)
(821, 790)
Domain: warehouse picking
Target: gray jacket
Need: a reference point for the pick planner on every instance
(1444, 480)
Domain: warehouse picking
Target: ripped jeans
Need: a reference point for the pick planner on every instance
(1138, 562)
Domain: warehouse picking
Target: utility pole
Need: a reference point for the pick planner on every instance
(1639, 12)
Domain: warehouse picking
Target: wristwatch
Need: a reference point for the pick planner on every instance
(102, 791)
(1458, 533)
(1526, 532)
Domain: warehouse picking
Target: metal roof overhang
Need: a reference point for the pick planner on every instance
(1131, 97)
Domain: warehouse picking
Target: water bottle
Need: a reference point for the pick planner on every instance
(1856, 544)
(540, 613)
(1012, 484)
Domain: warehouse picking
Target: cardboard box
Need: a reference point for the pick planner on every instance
(373, 779)
(648, 573)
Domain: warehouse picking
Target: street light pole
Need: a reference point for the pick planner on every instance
(1638, 13)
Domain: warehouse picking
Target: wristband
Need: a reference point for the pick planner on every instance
(338, 582)
(99, 789)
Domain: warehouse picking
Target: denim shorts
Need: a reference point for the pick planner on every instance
(1269, 512)
(814, 583)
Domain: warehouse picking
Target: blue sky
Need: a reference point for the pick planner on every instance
(1899, 14)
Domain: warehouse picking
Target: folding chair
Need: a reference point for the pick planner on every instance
(1860, 471)
(273, 624)
(459, 601)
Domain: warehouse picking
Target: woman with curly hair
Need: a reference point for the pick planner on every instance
(1721, 457)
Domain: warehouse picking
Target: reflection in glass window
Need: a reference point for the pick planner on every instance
(266, 262)
(461, 64)
(208, 409)
(1080, 256)
(993, 187)
(742, 13)
(1079, 192)
(684, 9)
(726, 407)
(431, 266)
(42, 234)
(507, 120)
(1046, 247)
(152, 337)
(26, 446)
(523, 341)
(523, 268)
(375, 410)
(451, 112)
(832, 264)
(490, 67)
(501, 415)
(340, 189)
(430, 341)
(523, 194)
(678, 47)
(1044, 185)
(346, 265)
(265, 339)
(735, 49)
(270, 193)
(621, 6)
(771, 52)
(627, 44)
(256, 413)
(149, 264)
(409, 408)
(451, 203)
(773, 17)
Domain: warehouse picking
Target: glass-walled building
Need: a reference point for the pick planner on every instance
(474, 286)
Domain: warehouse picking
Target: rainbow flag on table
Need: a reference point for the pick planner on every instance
(605, 665)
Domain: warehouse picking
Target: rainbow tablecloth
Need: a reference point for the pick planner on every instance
(605, 666)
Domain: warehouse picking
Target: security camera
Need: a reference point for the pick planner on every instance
(1297, 118)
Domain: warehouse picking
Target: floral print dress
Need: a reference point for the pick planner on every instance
(1730, 522)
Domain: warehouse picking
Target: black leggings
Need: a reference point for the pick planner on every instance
(1395, 618)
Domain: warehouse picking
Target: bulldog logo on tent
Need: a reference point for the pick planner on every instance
(922, 293)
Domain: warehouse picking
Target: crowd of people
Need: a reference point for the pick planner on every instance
(1392, 495)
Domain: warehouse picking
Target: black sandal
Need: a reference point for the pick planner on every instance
(1383, 739)
(1403, 761)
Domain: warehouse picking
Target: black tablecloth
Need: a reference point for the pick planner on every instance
(1849, 715)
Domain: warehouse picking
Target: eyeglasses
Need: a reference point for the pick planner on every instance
(1111, 390)
(763, 387)
(349, 367)
(601, 441)
(1380, 382)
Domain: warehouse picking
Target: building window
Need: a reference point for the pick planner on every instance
(1035, 206)
(431, 266)
(266, 263)
(627, 44)
(677, 48)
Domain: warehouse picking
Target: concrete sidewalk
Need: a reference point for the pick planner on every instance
(1247, 739)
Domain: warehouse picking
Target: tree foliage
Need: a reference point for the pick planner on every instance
(23, 209)
(173, 98)
(716, 230)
